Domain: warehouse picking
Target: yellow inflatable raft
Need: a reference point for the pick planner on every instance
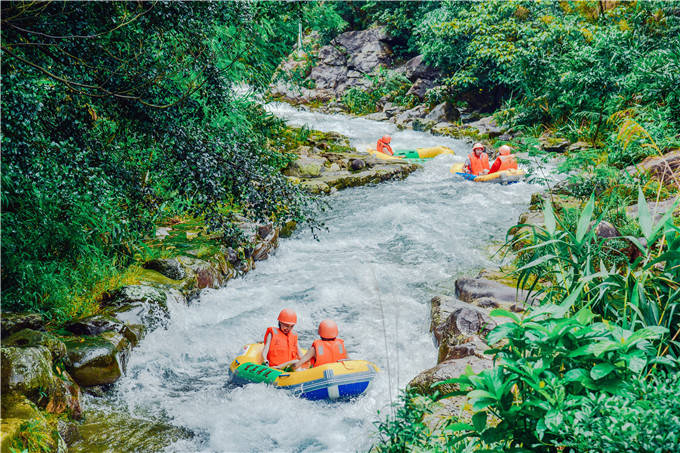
(418, 153)
(332, 381)
(501, 177)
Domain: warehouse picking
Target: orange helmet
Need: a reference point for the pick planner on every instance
(386, 138)
(328, 329)
(477, 146)
(288, 316)
(504, 150)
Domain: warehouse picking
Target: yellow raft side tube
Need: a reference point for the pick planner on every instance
(347, 378)
(505, 176)
(420, 153)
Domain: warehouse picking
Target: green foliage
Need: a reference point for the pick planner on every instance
(647, 419)
(404, 429)
(387, 85)
(548, 364)
(116, 115)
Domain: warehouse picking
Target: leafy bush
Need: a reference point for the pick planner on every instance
(384, 84)
(647, 419)
(116, 115)
(404, 429)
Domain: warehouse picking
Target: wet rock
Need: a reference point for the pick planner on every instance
(473, 346)
(263, 231)
(15, 411)
(68, 431)
(97, 324)
(664, 168)
(26, 370)
(14, 322)
(578, 146)
(444, 112)
(377, 116)
(64, 396)
(449, 369)
(168, 267)
(32, 338)
(287, 229)
(553, 144)
(357, 164)
(92, 361)
(605, 230)
(262, 248)
(137, 305)
(470, 289)
(404, 120)
(390, 109)
(202, 272)
(305, 167)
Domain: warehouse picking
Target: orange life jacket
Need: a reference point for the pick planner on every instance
(282, 347)
(477, 164)
(329, 351)
(507, 162)
(384, 148)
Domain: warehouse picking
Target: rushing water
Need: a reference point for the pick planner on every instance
(389, 248)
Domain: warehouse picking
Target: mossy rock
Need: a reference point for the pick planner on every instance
(26, 370)
(92, 360)
(31, 338)
(14, 322)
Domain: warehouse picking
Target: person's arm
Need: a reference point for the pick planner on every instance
(311, 353)
(300, 353)
(265, 350)
(389, 148)
(466, 165)
(285, 364)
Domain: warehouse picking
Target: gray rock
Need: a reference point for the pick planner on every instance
(377, 116)
(139, 305)
(390, 109)
(553, 144)
(415, 69)
(420, 88)
(357, 164)
(405, 119)
(26, 370)
(28, 338)
(486, 126)
(168, 267)
(14, 322)
(578, 146)
(305, 167)
(470, 289)
(449, 369)
(204, 273)
(444, 112)
(366, 49)
(331, 56)
(97, 324)
(657, 210)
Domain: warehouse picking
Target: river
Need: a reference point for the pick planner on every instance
(388, 250)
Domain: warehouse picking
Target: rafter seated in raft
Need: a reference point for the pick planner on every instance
(501, 177)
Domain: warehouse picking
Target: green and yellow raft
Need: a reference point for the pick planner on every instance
(332, 381)
(418, 153)
(501, 177)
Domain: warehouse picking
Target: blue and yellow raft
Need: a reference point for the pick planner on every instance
(502, 177)
(332, 381)
(418, 153)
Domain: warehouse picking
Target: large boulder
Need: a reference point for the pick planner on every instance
(444, 112)
(28, 338)
(405, 119)
(98, 324)
(553, 144)
(168, 267)
(449, 369)
(416, 68)
(143, 306)
(664, 168)
(27, 371)
(306, 167)
(365, 49)
(14, 322)
(470, 289)
(486, 126)
(92, 361)
(420, 88)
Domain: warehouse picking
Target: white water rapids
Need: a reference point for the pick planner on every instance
(394, 245)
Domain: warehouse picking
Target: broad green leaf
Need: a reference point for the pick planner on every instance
(479, 421)
(553, 420)
(536, 262)
(596, 349)
(584, 316)
(575, 375)
(636, 361)
(644, 217)
(549, 217)
(646, 333)
(660, 225)
(500, 332)
(601, 370)
(459, 427)
(501, 312)
(584, 219)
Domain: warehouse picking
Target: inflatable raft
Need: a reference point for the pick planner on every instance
(501, 177)
(332, 381)
(418, 153)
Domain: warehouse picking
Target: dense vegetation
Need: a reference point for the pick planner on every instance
(117, 115)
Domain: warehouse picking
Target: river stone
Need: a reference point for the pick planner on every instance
(137, 305)
(168, 267)
(377, 116)
(420, 88)
(203, 272)
(14, 322)
(470, 289)
(486, 126)
(287, 229)
(97, 324)
(32, 338)
(16, 410)
(664, 168)
(262, 248)
(26, 370)
(64, 396)
(416, 68)
(450, 369)
(444, 112)
(357, 164)
(305, 167)
(92, 361)
(553, 144)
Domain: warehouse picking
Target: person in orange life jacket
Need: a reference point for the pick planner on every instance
(327, 349)
(383, 145)
(281, 345)
(504, 161)
(477, 161)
